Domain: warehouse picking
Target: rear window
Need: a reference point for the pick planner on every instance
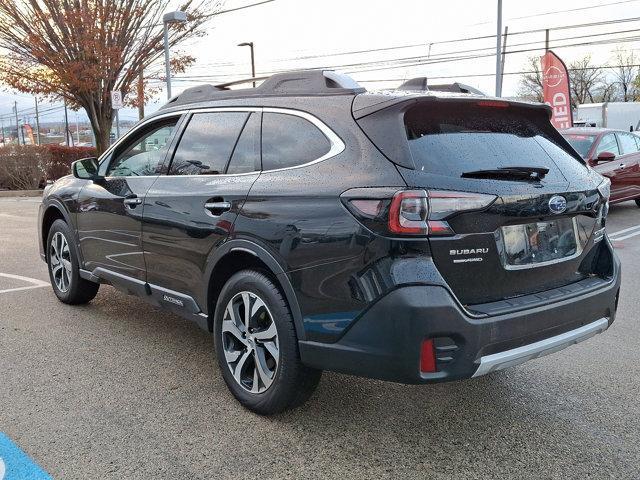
(453, 139)
(581, 143)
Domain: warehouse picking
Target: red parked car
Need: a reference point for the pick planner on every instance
(612, 153)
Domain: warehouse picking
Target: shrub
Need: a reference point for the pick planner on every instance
(61, 158)
(21, 166)
(25, 167)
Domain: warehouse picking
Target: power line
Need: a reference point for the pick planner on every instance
(454, 40)
(521, 72)
(242, 8)
(387, 64)
(555, 12)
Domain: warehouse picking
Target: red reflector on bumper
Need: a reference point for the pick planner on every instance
(427, 357)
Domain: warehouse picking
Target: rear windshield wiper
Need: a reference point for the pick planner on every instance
(509, 173)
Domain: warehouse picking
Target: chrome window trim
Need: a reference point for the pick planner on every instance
(337, 146)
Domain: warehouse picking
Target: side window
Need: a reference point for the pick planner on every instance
(627, 143)
(608, 143)
(246, 155)
(207, 143)
(289, 140)
(145, 154)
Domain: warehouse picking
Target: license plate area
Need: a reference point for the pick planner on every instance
(537, 244)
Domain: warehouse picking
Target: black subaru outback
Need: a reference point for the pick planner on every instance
(414, 235)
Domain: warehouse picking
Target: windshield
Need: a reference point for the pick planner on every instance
(457, 138)
(582, 143)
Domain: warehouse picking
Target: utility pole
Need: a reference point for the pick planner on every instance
(15, 109)
(77, 131)
(2, 122)
(546, 40)
(504, 54)
(141, 94)
(37, 123)
(66, 124)
(498, 50)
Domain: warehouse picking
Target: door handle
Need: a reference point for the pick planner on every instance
(132, 201)
(217, 208)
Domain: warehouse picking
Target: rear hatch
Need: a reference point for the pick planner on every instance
(542, 230)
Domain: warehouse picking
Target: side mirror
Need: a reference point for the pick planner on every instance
(86, 169)
(605, 157)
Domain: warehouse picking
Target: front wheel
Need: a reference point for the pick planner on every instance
(64, 267)
(638, 202)
(257, 347)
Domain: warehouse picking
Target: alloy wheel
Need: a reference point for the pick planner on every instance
(60, 262)
(250, 342)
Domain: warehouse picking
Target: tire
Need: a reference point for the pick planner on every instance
(637, 201)
(281, 383)
(67, 284)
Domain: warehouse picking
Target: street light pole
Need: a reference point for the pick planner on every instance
(253, 61)
(167, 18)
(499, 50)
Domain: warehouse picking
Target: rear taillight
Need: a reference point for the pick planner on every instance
(411, 212)
(420, 212)
(408, 213)
(605, 191)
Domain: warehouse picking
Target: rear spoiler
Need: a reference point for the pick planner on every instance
(366, 104)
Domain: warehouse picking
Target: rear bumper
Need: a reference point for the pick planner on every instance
(384, 343)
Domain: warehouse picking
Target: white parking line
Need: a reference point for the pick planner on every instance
(16, 217)
(624, 237)
(35, 283)
(620, 232)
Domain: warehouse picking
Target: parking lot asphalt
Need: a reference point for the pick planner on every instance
(118, 389)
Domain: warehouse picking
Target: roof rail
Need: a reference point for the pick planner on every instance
(301, 82)
(420, 84)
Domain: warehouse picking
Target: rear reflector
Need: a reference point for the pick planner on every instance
(427, 357)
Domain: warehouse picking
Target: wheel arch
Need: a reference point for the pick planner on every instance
(53, 211)
(239, 254)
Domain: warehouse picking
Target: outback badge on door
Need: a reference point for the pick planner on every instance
(557, 204)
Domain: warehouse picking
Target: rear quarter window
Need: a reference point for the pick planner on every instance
(290, 140)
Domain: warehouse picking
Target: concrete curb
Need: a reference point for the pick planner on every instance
(20, 193)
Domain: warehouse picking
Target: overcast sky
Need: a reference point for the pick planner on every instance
(285, 30)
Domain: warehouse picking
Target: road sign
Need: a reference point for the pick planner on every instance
(116, 100)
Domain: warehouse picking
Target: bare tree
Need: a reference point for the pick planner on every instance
(81, 50)
(625, 74)
(585, 81)
(530, 87)
(606, 91)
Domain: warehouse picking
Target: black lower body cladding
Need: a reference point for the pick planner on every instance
(385, 342)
